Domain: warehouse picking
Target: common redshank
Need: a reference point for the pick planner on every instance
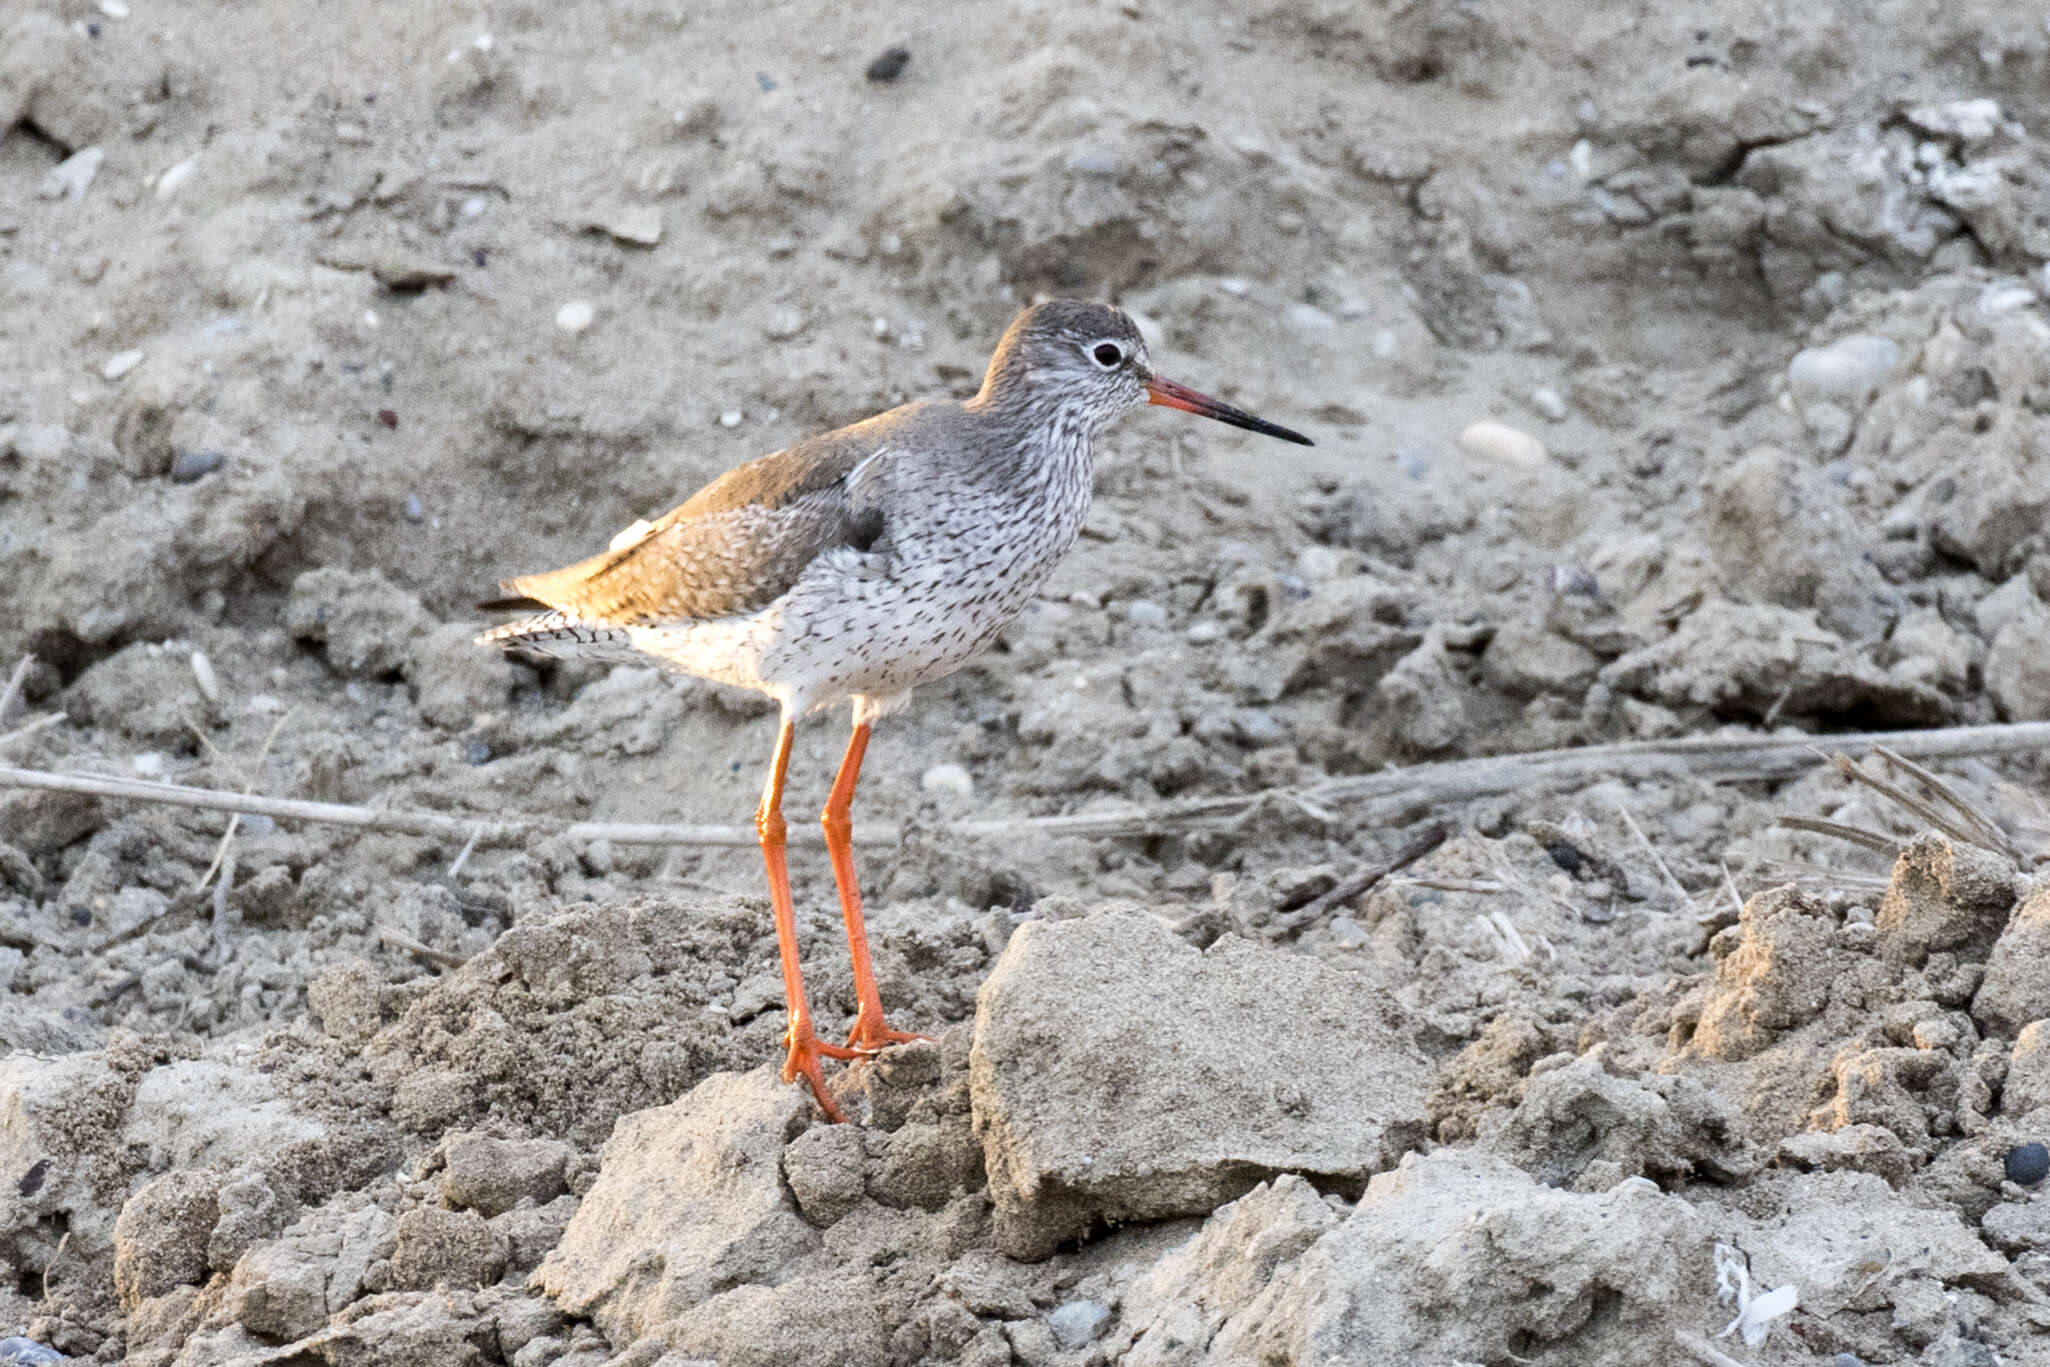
(858, 565)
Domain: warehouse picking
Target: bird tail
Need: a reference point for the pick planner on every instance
(562, 636)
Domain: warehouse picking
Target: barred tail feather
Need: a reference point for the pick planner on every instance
(562, 636)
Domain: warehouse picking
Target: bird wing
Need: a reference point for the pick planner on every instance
(739, 544)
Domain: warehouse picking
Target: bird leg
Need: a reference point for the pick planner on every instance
(805, 1047)
(870, 1034)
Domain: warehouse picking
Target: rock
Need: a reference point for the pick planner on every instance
(888, 65)
(1525, 659)
(821, 1318)
(2027, 1164)
(491, 1176)
(1848, 371)
(2018, 1226)
(1930, 651)
(689, 1202)
(2016, 989)
(1782, 534)
(947, 780)
(827, 1168)
(638, 225)
(1459, 1257)
(1742, 660)
(196, 1113)
(576, 316)
(1855, 1148)
(189, 467)
(145, 692)
(530, 1232)
(1502, 444)
(252, 1210)
(455, 681)
(1944, 896)
(1776, 978)
(2018, 666)
(366, 623)
(2028, 1071)
(346, 997)
(1582, 1127)
(438, 1247)
(285, 1289)
(16, 1351)
(1266, 1063)
(1077, 1324)
(160, 1239)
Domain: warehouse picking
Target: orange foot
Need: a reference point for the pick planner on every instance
(871, 1036)
(805, 1049)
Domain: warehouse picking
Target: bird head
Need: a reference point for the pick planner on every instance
(1088, 361)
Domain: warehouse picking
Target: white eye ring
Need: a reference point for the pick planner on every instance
(1108, 355)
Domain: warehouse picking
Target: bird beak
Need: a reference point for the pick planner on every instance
(1168, 394)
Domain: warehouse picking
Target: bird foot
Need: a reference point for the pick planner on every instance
(801, 1060)
(871, 1036)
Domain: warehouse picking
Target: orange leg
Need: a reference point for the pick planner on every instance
(870, 1034)
(805, 1048)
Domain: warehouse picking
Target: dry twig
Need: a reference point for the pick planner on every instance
(1359, 883)
(10, 695)
(1855, 835)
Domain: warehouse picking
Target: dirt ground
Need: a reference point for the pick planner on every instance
(1674, 370)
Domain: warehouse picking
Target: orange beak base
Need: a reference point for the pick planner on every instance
(1168, 394)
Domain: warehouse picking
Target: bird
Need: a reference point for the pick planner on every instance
(856, 565)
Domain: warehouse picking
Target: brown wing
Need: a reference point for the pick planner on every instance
(735, 547)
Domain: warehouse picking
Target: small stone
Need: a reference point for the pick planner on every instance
(639, 225)
(576, 316)
(114, 9)
(732, 417)
(1503, 444)
(1078, 1323)
(174, 179)
(413, 511)
(20, 1352)
(404, 274)
(783, 324)
(2027, 1164)
(476, 750)
(950, 779)
(189, 467)
(1144, 613)
(71, 177)
(492, 1176)
(889, 65)
(203, 675)
(1204, 633)
(1846, 371)
(120, 363)
(1549, 402)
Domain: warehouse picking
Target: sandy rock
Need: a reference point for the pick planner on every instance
(252, 1210)
(1749, 660)
(40, 823)
(1781, 534)
(817, 1318)
(2028, 1070)
(196, 1113)
(455, 680)
(1459, 1257)
(1300, 1068)
(160, 1239)
(2017, 986)
(1846, 371)
(531, 1232)
(58, 1149)
(1584, 1128)
(367, 624)
(346, 998)
(439, 1247)
(2018, 667)
(1856, 1148)
(1776, 977)
(145, 692)
(287, 1288)
(1943, 896)
(1525, 658)
(491, 1176)
(1830, 1232)
(827, 1169)
(689, 1202)
(1930, 651)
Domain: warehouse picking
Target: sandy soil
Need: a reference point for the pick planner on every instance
(1673, 369)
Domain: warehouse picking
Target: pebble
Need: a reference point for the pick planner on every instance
(1203, 633)
(1347, 933)
(120, 363)
(2028, 1164)
(114, 9)
(173, 180)
(889, 65)
(783, 324)
(950, 779)
(203, 675)
(21, 1352)
(1849, 368)
(413, 510)
(2004, 296)
(576, 316)
(639, 224)
(1384, 343)
(477, 750)
(1143, 613)
(732, 417)
(1503, 444)
(1232, 285)
(189, 467)
(1549, 402)
(1318, 563)
(1078, 1323)
(71, 177)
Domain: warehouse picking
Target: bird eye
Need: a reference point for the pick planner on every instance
(1107, 354)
